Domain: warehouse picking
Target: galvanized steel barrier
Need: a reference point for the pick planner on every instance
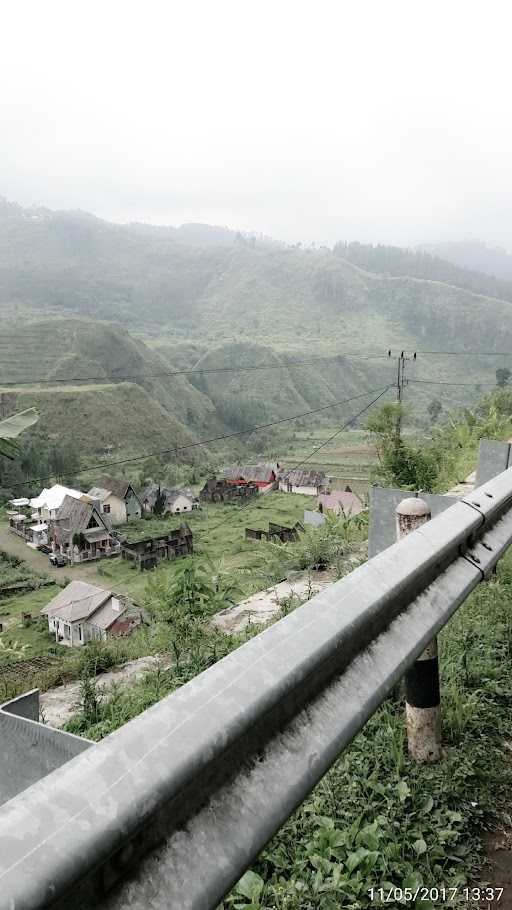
(170, 810)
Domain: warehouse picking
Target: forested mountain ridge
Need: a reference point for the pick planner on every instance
(218, 283)
(462, 266)
(474, 254)
(84, 299)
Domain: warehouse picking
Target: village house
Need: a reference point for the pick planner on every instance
(340, 502)
(33, 531)
(309, 483)
(47, 504)
(175, 501)
(19, 516)
(149, 551)
(80, 532)
(30, 518)
(263, 475)
(118, 500)
(83, 612)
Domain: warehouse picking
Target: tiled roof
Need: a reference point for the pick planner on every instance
(305, 478)
(118, 486)
(77, 601)
(83, 601)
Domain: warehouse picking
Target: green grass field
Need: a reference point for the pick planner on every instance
(348, 459)
(219, 540)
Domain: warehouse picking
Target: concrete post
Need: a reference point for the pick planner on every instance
(422, 697)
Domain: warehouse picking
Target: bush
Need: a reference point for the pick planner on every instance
(96, 657)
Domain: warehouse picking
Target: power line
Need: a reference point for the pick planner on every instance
(203, 442)
(443, 382)
(364, 355)
(122, 378)
(469, 353)
(308, 458)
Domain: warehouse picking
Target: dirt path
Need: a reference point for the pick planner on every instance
(259, 608)
(57, 705)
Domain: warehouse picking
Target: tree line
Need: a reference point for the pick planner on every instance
(400, 262)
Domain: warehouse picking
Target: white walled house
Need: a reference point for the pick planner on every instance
(118, 500)
(83, 612)
(176, 501)
(308, 483)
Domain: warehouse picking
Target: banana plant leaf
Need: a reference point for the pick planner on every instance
(11, 427)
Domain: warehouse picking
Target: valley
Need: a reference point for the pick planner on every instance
(98, 320)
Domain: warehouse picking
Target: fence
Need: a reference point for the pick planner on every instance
(171, 809)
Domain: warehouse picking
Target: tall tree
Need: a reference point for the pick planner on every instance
(502, 377)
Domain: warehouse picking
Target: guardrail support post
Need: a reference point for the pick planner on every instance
(422, 698)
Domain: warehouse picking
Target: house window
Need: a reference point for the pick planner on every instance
(67, 631)
(81, 633)
(106, 508)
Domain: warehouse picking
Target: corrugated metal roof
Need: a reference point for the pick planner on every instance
(117, 486)
(300, 478)
(78, 600)
(107, 615)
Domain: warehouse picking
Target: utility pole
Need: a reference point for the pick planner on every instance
(401, 382)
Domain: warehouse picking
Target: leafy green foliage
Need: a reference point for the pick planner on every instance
(159, 504)
(448, 455)
(434, 409)
(38, 457)
(400, 464)
(320, 548)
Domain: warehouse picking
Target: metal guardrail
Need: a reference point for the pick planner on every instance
(169, 811)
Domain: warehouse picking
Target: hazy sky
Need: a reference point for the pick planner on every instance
(384, 121)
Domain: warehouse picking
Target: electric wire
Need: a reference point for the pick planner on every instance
(207, 370)
(308, 458)
(446, 382)
(202, 442)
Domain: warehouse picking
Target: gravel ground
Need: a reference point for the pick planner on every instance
(57, 705)
(263, 606)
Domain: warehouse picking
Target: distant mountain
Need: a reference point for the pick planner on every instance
(80, 297)
(475, 255)
(424, 262)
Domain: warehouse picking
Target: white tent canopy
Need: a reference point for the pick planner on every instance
(53, 497)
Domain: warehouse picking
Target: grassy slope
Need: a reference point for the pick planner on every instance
(219, 538)
(202, 300)
(163, 410)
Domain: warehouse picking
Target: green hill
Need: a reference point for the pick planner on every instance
(102, 413)
(106, 419)
(82, 298)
